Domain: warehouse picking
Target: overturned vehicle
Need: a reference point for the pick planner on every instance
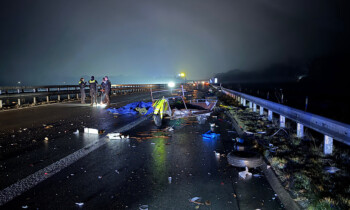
(176, 106)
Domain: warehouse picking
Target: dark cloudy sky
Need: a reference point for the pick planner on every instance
(51, 42)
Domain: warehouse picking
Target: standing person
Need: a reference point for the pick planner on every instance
(93, 90)
(108, 88)
(82, 85)
(103, 91)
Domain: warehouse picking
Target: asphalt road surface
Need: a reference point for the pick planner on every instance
(123, 174)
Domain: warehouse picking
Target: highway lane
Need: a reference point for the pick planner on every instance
(126, 174)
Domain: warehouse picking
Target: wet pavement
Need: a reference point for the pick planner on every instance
(129, 173)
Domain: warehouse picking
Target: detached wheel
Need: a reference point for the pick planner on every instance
(157, 120)
(244, 159)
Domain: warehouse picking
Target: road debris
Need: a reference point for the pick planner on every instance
(80, 204)
(331, 170)
(245, 174)
(196, 200)
(210, 135)
(143, 207)
(114, 136)
(91, 130)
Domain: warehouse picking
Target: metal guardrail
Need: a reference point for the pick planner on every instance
(21, 92)
(16, 91)
(337, 130)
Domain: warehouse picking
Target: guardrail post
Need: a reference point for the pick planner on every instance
(19, 102)
(58, 97)
(68, 96)
(244, 102)
(328, 145)
(0, 92)
(300, 130)
(47, 99)
(77, 96)
(18, 91)
(261, 110)
(250, 105)
(34, 100)
(0, 104)
(254, 107)
(269, 115)
(282, 121)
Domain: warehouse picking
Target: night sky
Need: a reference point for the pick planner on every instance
(149, 41)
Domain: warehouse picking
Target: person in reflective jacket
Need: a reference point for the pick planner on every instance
(108, 87)
(103, 91)
(93, 90)
(82, 85)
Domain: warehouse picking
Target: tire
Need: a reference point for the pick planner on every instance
(157, 120)
(244, 159)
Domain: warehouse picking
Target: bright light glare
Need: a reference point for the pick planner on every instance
(171, 84)
(102, 105)
(182, 74)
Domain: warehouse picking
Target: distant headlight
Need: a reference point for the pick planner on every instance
(171, 84)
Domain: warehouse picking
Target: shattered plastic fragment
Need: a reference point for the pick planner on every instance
(207, 202)
(24, 207)
(113, 135)
(239, 140)
(143, 207)
(79, 204)
(210, 135)
(249, 133)
(331, 170)
(245, 174)
(196, 200)
(76, 132)
(90, 130)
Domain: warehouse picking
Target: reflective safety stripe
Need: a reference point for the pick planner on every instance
(92, 81)
(160, 106)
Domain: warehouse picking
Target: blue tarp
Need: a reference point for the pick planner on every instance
(130, 108)
(210, 135)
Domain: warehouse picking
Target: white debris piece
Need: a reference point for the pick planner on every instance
(143, 207)
(79, 204)
(245, 174)
(91, 130)
(114, 136)
(76, 132)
